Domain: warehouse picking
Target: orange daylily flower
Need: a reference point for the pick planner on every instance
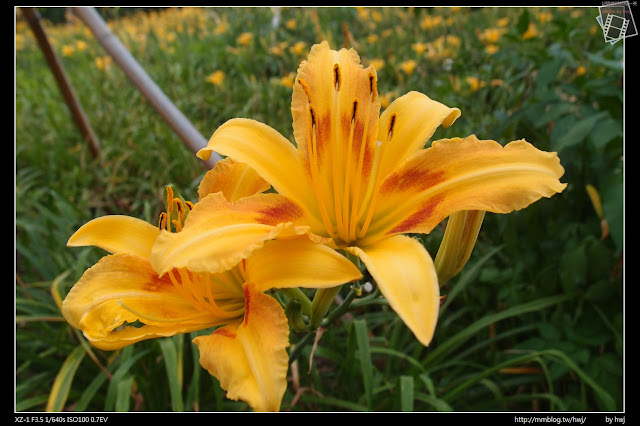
(123, 299)
(361, 179)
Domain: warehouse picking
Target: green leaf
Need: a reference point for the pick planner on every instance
(89, 393)
(406, 393)
(452, 342)
(469, 273)
(548, 72)
(573, 267)
(366, 366)
(578, 132)
(523, 22)
(613, 206)
(617, 65)
(605, 131)
(171, 362)
(437, 403)
(63, 380)
(123, 394)
(553, 112)
(127, 361)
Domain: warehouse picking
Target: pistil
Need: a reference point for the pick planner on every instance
(375, 179)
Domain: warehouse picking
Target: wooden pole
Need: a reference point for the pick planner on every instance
(33, 19)
(172, 115)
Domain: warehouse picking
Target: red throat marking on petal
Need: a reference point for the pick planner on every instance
(418, 217)
(284, 212)
(247, 303)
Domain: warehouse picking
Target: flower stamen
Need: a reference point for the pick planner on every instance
(336, 151)
(355, 215)
(199, 293)
(375, 179)
(315, 174)
(177, 211)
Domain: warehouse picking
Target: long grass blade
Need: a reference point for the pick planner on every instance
(89, 393)
(123, 394)
(406, 393)
(447, 346)
(62, 383)
(128, 360)
(468, 275)
(366, 366)
(173, 366)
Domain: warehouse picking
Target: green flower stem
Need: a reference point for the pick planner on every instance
(371, 299)
(297, 294)
(321, 303)
(340, 310)
(297, 349)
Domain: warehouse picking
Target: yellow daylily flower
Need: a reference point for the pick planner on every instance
(362, 179)
(122, 299)
(216, 78)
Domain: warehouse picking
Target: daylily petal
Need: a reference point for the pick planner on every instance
(117, 234)
(298, 262)
(335, 110)
(235, 180)
(406, 276)
(122, 289)
(267, 152)
(333, 93)
(407, 124)
(250, 359)
(218, 234)
(463, 174)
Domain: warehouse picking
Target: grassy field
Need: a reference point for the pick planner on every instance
(534, 322)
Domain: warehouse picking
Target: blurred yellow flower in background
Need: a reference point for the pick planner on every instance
(545, 17)
(377, 63)
(20, 41)
(491, 49)
(386, 98)
(81, 45)
(67, 50)
(221, 28)
(216, 78)
(299, 48)
(287, 80)
(491, 35)
(419, 47)
(503, 22)
(245, 38)
(103, 62)
(531, 32)
(429, 22)
(474, 83)
(363, 13)
(408, 66)
(279, 48)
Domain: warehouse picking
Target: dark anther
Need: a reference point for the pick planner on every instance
(392, 123)
(336, 76)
